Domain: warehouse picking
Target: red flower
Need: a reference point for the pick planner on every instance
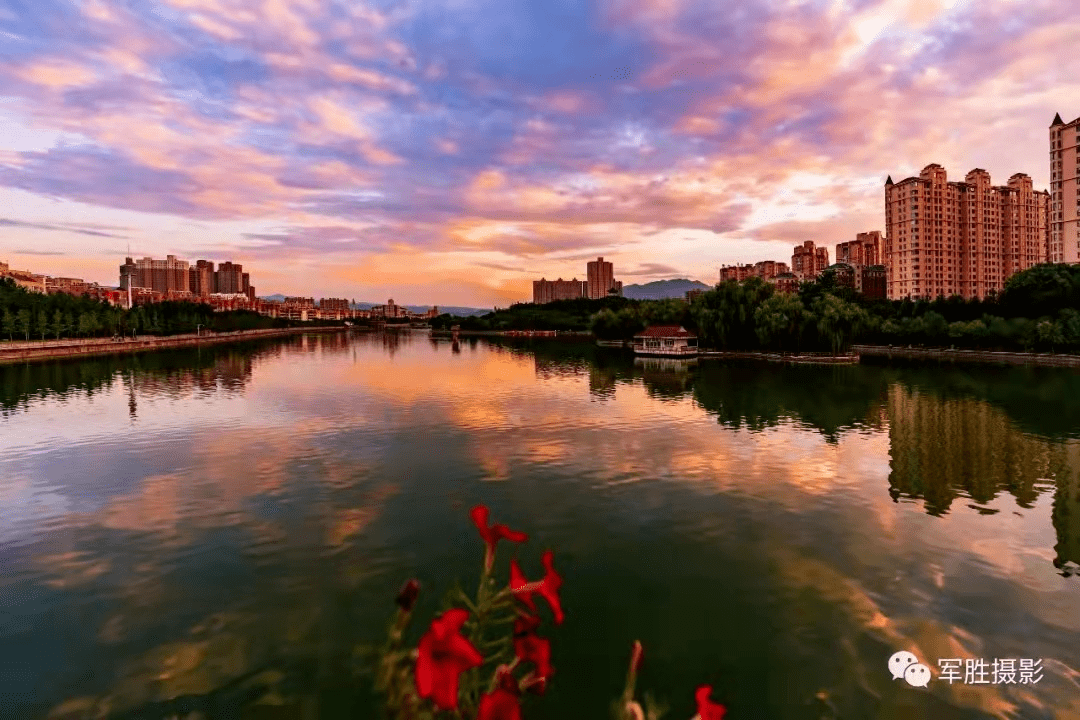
(493, 534)
(530, 647)
(548, 587)
(502, 703)
(525, 624)
(443, 655)
(707, 709)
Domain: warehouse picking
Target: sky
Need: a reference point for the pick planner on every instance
(452, 151)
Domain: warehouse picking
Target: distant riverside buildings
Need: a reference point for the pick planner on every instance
(961, 238)
(1064, 240)
(51, 285)
(545, 291)
(24, 278)
(785, 282)
(692, 295)
(149, 281)
(334, 304)
(177, 279)
(809, 261)
(859, 264)
(766, 269)
(865, 249)
(601, 279)
(600, 282)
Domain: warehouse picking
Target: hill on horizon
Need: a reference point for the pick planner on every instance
(663, 289)
(453, 310)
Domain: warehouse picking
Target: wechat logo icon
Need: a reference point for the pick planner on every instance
(905, 665)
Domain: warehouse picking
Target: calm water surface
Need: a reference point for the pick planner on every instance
(217, 531)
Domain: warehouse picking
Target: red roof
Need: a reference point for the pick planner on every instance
(665, 331)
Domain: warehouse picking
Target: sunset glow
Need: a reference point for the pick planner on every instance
(452, 152)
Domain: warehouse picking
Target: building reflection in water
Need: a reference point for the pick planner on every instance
(942, 449)
(950, 438)
(665, 377)
(1066, 512)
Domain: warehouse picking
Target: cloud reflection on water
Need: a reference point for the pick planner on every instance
(853, 489)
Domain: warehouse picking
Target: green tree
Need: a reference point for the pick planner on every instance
(41, 323)
(724, 316)
(58, 325)
(1042, 290)
(780, 321)
(1049, 333)
(1001, 333)
(9, 324)
(838, 322)
(1070, 327)
(25, 322)
(935, 327)
(88, 323)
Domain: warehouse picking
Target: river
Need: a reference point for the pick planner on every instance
(202, 533)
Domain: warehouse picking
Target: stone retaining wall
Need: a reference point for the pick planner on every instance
(967, 356)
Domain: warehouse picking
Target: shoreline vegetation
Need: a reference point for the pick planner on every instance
(36, 326)
(1035, 320)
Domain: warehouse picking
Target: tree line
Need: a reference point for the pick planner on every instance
(26, 315)
(1038, 310)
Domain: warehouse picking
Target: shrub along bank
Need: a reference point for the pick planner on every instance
(1039, 310)
(28, 315)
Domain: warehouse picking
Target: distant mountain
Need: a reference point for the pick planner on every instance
(459, 311)
(663, 289)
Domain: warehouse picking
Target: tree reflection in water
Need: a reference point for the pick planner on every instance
(968, 433)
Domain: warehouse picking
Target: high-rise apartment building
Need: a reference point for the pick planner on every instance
(168, 275)
(337, 304)
(961, 238)
(229, 278)
(1064, 243)
(176, 278)
(601, 279)
(201, 278)
(808, 261)
(764, 269)
(865, 249)
(545, 291)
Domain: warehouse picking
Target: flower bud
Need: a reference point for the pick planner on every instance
(636, 657)
(406, 597)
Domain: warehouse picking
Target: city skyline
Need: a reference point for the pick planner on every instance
(355, 143)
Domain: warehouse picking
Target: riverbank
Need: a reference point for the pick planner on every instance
(17, 352)
(885, 353)
(560, 334)
(848, 359)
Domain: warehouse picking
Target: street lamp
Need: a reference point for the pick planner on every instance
(198, 330)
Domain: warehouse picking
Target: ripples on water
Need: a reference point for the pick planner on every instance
(205, 530)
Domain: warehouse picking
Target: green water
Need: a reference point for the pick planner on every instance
(211, 531)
